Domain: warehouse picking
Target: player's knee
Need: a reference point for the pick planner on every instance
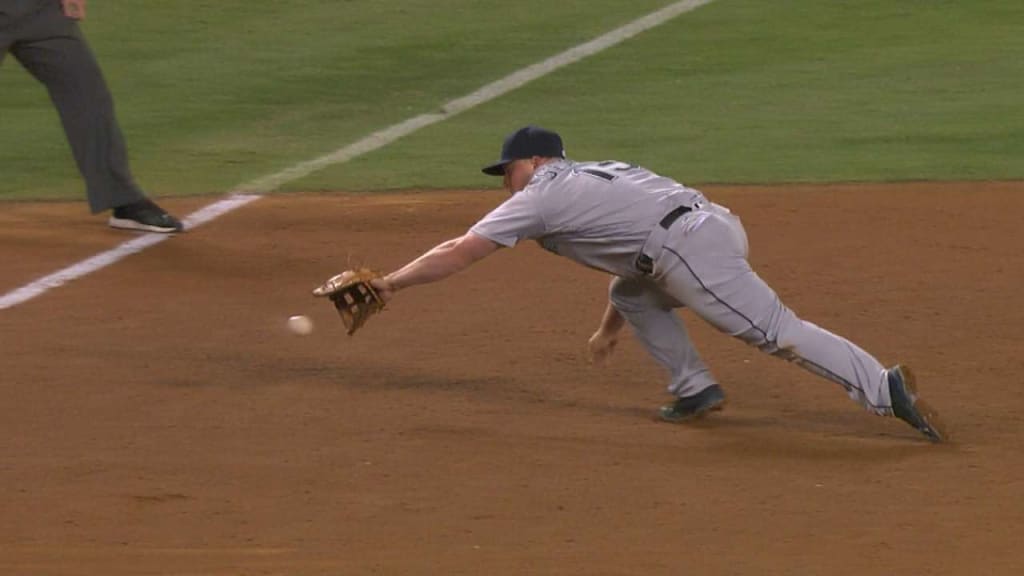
(627, 295)
(619, 290)
(764, 340)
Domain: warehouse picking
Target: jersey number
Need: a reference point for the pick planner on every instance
(607, 170)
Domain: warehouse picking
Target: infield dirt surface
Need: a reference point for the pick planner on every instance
(156, 417)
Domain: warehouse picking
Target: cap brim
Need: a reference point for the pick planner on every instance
(496, 169)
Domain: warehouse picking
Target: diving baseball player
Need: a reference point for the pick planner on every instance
(666, 246)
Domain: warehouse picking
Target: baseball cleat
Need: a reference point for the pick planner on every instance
(907, 406)
(144, 215)
(686, 408)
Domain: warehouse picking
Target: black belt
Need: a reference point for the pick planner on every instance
(644, 263)
(673, 216)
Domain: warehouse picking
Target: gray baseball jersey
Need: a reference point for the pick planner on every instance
(669, 247)
(596, 213)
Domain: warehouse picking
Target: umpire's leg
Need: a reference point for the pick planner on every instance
(51, 47)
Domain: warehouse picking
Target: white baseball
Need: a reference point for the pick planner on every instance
(300, 325)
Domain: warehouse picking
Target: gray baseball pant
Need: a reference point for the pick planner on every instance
(703, 265)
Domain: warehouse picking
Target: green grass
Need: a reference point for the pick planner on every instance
(736, 91)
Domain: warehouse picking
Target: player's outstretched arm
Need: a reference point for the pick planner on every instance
(438, 263)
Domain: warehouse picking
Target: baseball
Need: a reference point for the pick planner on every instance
(300, 325)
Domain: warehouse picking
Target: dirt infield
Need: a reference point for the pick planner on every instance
(157, 418)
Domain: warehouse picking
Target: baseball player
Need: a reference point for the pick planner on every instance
(44, 36)
(666, 246)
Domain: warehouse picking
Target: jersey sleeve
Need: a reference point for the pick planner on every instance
(518, 218)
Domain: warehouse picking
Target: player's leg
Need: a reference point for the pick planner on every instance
(706, 267)
(53, 50)
(662, 332)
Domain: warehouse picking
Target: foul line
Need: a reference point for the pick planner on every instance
(104, 259)
(249, 192)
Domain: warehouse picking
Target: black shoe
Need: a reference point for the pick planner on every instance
(691, 407)
(908, 407)
(144, 215)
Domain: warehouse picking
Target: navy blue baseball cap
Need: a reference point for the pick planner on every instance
(527, 142)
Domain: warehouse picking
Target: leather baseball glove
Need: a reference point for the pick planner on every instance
(354, 296)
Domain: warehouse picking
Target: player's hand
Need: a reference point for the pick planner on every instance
(74, 9)
(600, 347)
(383, 288)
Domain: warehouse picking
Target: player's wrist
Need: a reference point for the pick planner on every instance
(389, 283)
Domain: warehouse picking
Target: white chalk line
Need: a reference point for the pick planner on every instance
(250, 191)
(104, 259)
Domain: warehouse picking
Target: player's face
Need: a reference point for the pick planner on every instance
(518, 174)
